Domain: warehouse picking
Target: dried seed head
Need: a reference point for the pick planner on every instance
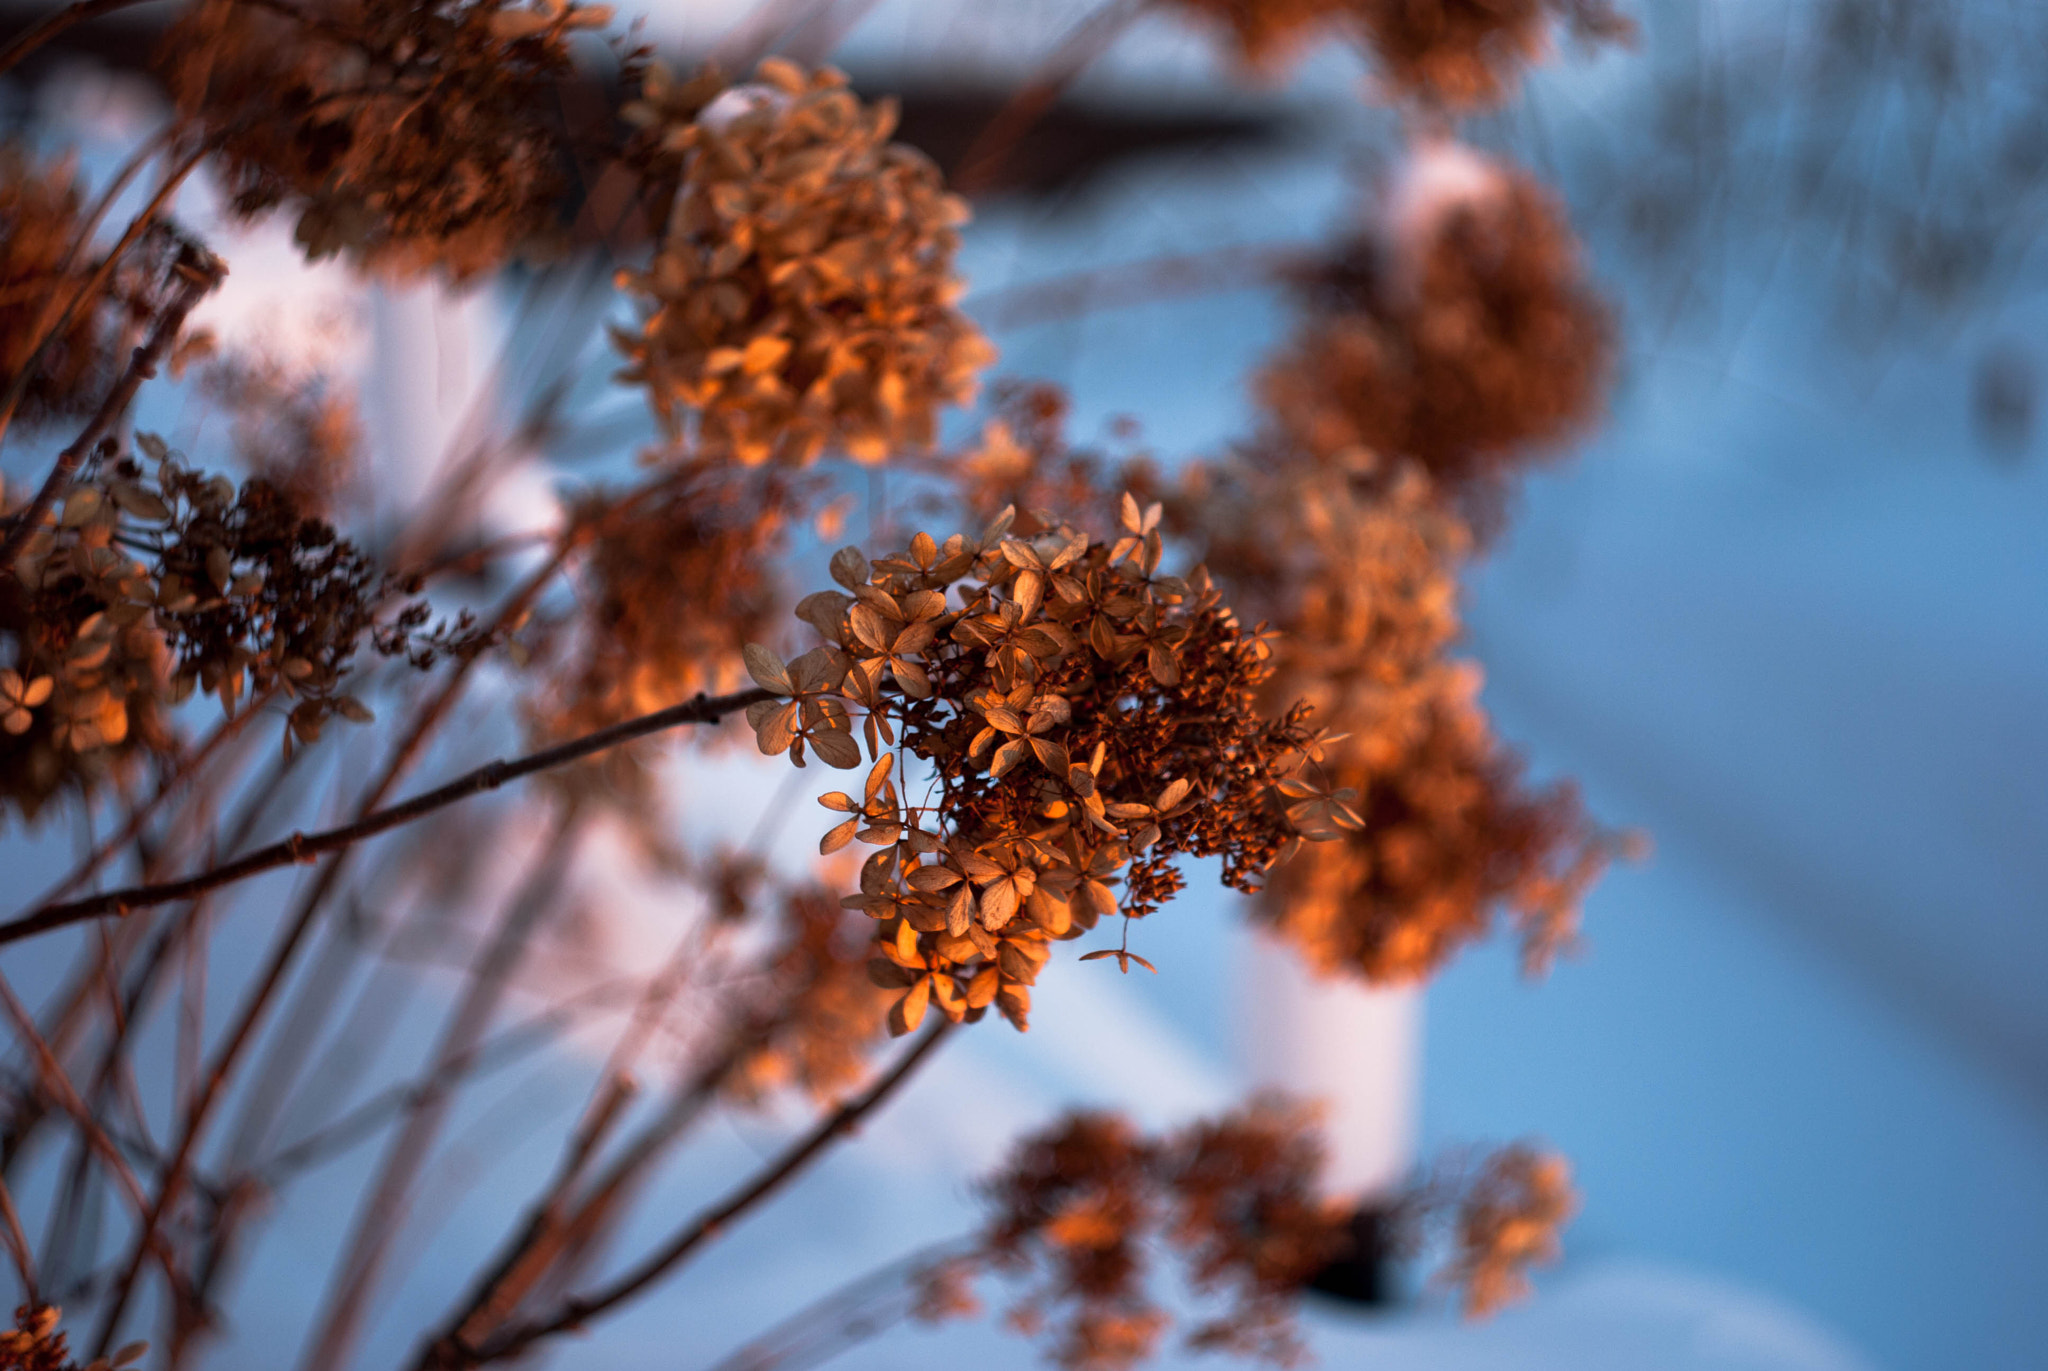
(1470, 342)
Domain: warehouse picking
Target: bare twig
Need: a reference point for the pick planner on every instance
(855, 1311)
(1088, 40)
(17, 1245)
(50, 1074)
(37, 34)
(1241, 267)
(282, 955)
(198, 272)
(381, 1216)
(187, 766)
(303, 847)
(450, 1353)
(553, 1229)
(372, 1114)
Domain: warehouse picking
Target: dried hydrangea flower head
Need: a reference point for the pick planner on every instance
(828, 1014)
(1235, 1198)
(1461, 333)
(88, 669)
(803, 297)
(1022, 459)
(1448, 834)
(300, 435)
(413, 135)
(1085, 719)
(145, 586)
(1509, 1221)
(1428, 829)
(1458, 53)
(1268, 34)
(676, 581)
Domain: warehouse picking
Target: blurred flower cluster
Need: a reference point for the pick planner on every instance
(1460, 54)
(803, 297)
(1078, 1214)
(410, 134)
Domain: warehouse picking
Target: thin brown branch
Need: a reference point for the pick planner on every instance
(983, 163)
(303, 847)
(37, 34)
(229, 1217)
(374, 1113)
(199, 272)
(22, 1124)
(854, 1312)
(257, 1001)
(49, 329)
(580, 1309)
(552, 1229)
(51, 1077)
(187, 766)
(17, 1246)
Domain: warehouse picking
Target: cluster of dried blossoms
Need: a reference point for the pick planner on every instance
(1235, 1199)
(1434, 359)
(1463, 342)
(828, 1014)
(1084, 719)
(1430, 828)
(802, 299)
(148, 585)
(299, 435)
(410, 134)
(41, 272)
(1456, 53)
(1079, 1211)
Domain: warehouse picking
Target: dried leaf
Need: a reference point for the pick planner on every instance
(767, 669)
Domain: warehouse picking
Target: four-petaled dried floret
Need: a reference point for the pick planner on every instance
(803, 299)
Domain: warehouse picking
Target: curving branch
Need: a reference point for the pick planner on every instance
(198, 273)
(450, 1354)
(304, 847)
